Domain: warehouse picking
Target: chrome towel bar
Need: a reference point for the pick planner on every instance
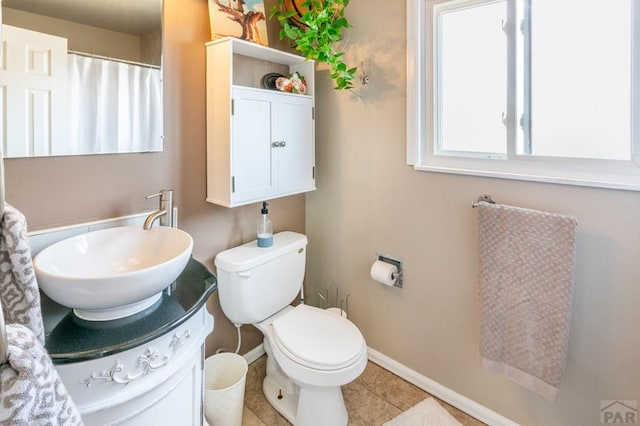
(484, 198)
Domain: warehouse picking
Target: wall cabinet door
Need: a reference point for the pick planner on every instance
(295, 153)
(272, 145)
(252, 162)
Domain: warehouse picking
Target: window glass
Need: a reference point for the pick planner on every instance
(580, 73)
(471, 79)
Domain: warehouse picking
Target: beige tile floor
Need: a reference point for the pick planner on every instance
(372, 399)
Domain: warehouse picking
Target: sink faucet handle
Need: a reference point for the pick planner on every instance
(160, 194)
(153, 195)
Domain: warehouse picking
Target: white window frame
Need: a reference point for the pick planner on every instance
(572, 171)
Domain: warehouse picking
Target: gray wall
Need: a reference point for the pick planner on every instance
(369, 201)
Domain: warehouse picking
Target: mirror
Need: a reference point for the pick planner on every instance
(107, 96)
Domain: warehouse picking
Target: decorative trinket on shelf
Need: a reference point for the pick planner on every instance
(295, 83)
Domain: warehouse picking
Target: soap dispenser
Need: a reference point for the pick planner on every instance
(265, 228)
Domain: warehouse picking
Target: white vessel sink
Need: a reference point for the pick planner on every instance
(112, 273)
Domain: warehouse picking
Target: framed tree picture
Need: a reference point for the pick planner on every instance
(243, 19)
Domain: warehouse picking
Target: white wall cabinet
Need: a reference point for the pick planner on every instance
(260, 142)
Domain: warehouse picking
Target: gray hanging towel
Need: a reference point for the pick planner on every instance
(31, 392)
(526, 272)
(19, 292)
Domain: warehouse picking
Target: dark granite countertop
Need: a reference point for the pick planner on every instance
(70, 339)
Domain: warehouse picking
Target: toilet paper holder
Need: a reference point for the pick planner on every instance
(398, 264)
(341, 304)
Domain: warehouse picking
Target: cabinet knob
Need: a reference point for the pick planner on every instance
(283, 144)
(275, 144)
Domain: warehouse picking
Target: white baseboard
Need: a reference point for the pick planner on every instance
(254, 353)
(447, 395)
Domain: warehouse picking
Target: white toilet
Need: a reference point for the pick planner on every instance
(311, 352)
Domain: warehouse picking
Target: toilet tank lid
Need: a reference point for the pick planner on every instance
(249, 255)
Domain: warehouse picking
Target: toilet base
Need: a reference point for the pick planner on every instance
(302, 405)
(311, 406)
(285, 403)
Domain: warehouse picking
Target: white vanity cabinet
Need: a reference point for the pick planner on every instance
(157, 383)
(146, 369)
(260, 142)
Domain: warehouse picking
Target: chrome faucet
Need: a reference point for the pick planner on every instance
(164, 212)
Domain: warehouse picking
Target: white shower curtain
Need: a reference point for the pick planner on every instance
(113, 107)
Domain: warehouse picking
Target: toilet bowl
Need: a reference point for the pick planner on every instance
(311, 352)
(314, 353)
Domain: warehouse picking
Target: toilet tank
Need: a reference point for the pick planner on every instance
(256, 282)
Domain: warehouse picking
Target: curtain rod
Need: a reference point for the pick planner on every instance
(106, 58)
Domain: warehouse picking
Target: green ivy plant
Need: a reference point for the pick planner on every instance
(321, 27)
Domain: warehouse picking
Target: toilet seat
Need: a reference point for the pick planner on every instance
(318, 339)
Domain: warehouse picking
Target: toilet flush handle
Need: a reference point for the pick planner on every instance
(244, 274)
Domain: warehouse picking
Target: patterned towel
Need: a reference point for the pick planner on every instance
(526, 269)
(18, 286)
(31, 392)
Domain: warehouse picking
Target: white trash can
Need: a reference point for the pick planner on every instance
(224, 379)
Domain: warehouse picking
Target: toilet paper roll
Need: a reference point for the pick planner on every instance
(384, 273)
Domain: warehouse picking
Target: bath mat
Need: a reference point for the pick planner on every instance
(424, 413)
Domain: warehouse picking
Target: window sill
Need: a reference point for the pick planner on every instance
(625, 177)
